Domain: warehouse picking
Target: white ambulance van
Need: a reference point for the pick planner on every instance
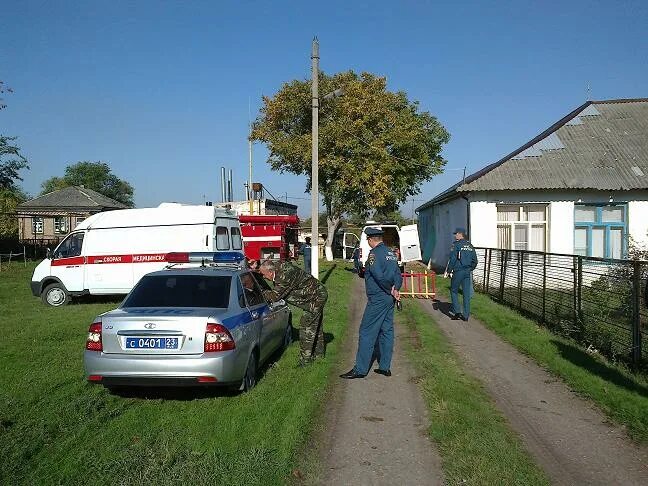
(109, 252)
(405, 238)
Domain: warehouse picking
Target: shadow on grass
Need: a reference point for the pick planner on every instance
(579, 357)
(328, 273)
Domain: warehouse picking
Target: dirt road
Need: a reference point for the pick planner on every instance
(568, 437)
(376, 431)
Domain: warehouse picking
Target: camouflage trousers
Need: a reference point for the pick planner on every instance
(311, 333)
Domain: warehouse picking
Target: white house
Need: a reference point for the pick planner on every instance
(580, 187)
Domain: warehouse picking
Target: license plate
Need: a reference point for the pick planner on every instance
(152, 343)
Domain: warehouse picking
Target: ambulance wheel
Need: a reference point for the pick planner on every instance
(56, 295)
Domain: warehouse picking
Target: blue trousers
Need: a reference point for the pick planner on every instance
(307, 265)
(463, 279)
(376, 330)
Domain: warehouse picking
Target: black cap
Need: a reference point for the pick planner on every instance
(460, 230)
(374, 232)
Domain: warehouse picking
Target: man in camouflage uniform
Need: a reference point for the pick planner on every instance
(302, 290)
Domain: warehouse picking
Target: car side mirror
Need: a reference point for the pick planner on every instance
(48, 254)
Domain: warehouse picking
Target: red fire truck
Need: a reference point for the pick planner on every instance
(269, 236)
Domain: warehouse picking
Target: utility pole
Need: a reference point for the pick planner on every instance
(315, 163)
(250, 157)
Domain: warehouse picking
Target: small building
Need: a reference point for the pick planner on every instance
(46, 220)
(579, 187)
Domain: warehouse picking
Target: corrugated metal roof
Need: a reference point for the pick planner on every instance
(606, 149)
(72, 197)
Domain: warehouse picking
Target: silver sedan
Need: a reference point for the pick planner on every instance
(188, 326)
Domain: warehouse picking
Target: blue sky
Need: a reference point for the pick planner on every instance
(160, 90)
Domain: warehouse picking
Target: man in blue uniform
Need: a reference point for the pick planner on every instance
(306, 251)
(463, 260)
(382, 282)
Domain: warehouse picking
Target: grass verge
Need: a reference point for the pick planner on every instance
(474, 440)
(621, 395)
(56, 428)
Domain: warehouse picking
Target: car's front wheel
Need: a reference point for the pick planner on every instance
(56, 295)
(250, 378)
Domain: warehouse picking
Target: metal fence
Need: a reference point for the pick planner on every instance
(600, 303)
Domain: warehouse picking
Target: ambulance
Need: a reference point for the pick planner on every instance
(109, 252)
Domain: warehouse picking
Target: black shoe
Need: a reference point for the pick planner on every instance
(352, 374)
(382, 372)
(464, 318)
(456, 317)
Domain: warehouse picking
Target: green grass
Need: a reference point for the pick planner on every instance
(475, 442)
(56, 428)
(622, 395)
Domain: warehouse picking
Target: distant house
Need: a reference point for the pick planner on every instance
(46, 219)
(580, 187)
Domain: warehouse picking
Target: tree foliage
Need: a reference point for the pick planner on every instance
(375, 146)
(9, 199)
(11, 162)
(93, 175)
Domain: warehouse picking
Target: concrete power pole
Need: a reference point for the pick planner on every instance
(315, 164)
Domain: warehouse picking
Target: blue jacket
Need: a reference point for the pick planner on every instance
(382, 272)
(463, 257)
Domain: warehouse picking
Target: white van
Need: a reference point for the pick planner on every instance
(109, 252)
(405, 238)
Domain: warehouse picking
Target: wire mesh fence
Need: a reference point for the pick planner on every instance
(598, 302)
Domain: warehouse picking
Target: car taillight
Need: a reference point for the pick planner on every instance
(93, 342)
(218, 338)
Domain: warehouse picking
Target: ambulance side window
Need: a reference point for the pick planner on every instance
(237, 243)
(222, 238)
(70, 246)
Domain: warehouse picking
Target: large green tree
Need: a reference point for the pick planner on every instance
(376, 146)
(93, 175)
(11, 163)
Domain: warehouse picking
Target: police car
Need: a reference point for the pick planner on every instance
(201, 321)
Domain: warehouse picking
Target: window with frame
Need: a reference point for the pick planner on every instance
(60, 225)
(37, 226)
(600, 230)
(79, 220)
(522, 227)
(222, 238)
(237, 242)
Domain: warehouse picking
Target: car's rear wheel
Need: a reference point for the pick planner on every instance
(56, 295)
(250, 378)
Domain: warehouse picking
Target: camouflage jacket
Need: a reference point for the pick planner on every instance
(291, 283)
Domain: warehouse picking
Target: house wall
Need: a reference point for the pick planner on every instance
(436, 235)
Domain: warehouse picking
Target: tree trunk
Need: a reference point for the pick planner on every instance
(333, 223)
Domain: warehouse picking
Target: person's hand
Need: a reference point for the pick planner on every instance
(395, 293)
(253, 264)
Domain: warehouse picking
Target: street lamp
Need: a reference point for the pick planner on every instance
(315, 157)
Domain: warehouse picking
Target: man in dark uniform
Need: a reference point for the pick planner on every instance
(306, 251)
(382, 282)
(299, 288)
(463, 260)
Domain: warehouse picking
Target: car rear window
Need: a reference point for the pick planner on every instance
(180, 291)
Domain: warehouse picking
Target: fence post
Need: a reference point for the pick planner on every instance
(575, 290)
(490, 256)
(636, 316)
(484, 281)
(544, 286)
(503, 273)
(580, 289)
(520, 277)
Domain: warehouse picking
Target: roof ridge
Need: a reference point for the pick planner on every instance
(81, 190)
(621, 100)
